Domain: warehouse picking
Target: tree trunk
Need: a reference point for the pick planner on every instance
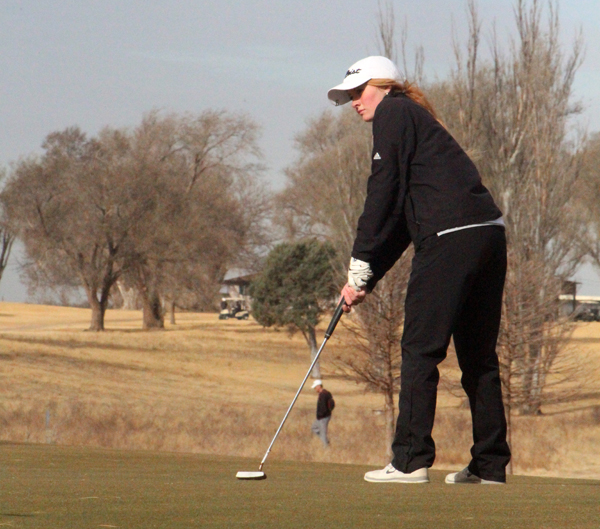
(531, 387)
(311, 339)
(153, 317)
(172, 312)
(129, 295)
(390, 422)
(6, 241)
(98, 311)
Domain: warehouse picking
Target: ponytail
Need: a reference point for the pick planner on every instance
(410, 90)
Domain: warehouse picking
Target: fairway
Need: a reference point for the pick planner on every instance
(75, 488)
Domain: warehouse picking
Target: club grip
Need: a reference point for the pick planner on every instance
(335, 319)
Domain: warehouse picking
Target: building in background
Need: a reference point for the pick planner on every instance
(235, 301)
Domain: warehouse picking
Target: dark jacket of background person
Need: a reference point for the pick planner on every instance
(421, 183)
(325, 404)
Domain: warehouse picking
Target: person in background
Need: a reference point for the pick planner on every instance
(325, 405)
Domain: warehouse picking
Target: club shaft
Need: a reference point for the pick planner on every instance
(336, 318)
(293, 402)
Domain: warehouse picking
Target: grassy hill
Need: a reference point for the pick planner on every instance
(215, 387)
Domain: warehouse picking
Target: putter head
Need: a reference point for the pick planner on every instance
(251, 475)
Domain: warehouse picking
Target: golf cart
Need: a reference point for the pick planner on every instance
(234, 308)
(588, 313)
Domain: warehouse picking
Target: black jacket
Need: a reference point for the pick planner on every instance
(421, 183)
(324, 404)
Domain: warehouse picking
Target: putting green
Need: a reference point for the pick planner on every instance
(44, 486)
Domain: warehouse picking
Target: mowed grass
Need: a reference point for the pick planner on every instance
(220, 388)
(73, 488)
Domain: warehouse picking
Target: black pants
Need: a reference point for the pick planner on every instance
(455, 290)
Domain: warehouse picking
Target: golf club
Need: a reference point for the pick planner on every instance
(334, 321)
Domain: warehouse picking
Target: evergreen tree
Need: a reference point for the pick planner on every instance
(295, 288)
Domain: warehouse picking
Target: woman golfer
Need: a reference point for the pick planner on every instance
(424, 189)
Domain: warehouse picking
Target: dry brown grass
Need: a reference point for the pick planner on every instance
(222, 387)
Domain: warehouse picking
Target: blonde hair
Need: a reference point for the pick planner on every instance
(410, 90)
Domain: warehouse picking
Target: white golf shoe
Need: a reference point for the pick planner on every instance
(466, 477)
(390, 475)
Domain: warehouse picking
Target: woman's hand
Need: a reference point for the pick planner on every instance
(352, 296)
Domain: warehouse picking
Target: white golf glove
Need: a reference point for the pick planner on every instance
(359, 273)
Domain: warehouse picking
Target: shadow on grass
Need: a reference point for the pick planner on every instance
(76, 344)
(80, 363)
(590, 407)
(588, 340)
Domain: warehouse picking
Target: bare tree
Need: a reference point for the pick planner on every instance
(6, 242)
(326, 187)
(6, 238)
(376, 356)
(386, 28)
(388, 46)
(324, 197)
(198, 215)
(158, 208)
(513, 115)
(63, 205)
(589, 198)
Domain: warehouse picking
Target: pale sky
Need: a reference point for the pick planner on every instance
(107, 62)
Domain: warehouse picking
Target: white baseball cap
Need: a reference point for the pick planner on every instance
(317, 383)
(374, 67)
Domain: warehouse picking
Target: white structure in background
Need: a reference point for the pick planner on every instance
(583, 308)
(235, 301)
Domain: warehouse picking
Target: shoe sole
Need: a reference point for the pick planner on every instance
(415, 480)
(481, 482)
